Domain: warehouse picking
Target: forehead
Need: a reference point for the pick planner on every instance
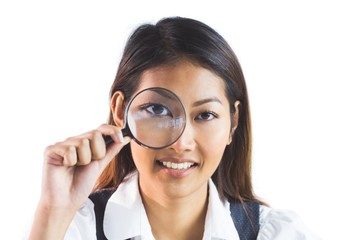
(187, 80)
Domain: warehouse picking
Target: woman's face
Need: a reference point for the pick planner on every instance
(185, 167)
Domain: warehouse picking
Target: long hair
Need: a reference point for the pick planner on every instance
(168, 41)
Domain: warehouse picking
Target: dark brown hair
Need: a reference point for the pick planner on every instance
(171, 40)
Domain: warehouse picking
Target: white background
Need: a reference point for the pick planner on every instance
(301, 61)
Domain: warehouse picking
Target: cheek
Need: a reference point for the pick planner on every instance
(214, 139)
(142, 156)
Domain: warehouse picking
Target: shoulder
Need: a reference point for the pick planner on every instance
(276, 224)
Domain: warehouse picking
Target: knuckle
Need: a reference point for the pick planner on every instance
(83, 142)
(95, 134)
(104, 125)
(70, 150)
(70, 156)
(48, 150)
(68, 139)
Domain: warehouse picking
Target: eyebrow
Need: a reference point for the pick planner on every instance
(164, 93)
(206, 100)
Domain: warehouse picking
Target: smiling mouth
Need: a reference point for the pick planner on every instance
(177, 166)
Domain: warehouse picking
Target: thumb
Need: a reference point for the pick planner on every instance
(112, 151)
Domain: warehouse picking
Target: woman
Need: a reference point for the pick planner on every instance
(199, 187)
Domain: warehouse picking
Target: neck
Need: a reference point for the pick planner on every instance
(177, 218)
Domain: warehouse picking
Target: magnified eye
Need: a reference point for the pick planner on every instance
(157, 109)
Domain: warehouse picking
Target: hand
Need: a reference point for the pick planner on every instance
(70, 171)
(72, 167)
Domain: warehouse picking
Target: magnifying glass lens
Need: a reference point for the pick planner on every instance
(156, 118)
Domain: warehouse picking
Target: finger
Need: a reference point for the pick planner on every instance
(113, 131)
(89, 146)
(70, 156)
(97, 145)
(60, 155)
(53, 155)
(112, 151)
(84, 155)
(82, 149)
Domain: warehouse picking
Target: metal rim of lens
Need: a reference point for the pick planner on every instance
(127, 113)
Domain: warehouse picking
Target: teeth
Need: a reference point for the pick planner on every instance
(179, 166)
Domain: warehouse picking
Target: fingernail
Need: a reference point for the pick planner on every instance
(126, 140)
(121, 137)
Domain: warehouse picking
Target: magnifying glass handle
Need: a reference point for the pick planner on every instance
(108, 139)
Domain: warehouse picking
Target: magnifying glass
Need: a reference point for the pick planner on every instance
(155, 118)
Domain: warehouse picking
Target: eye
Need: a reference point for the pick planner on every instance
(206, 116)
(157, 109)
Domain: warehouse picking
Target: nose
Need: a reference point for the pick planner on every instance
(186, 142)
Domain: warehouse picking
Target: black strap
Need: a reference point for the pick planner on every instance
(246, 219)
(100, 199)
(245, 216)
